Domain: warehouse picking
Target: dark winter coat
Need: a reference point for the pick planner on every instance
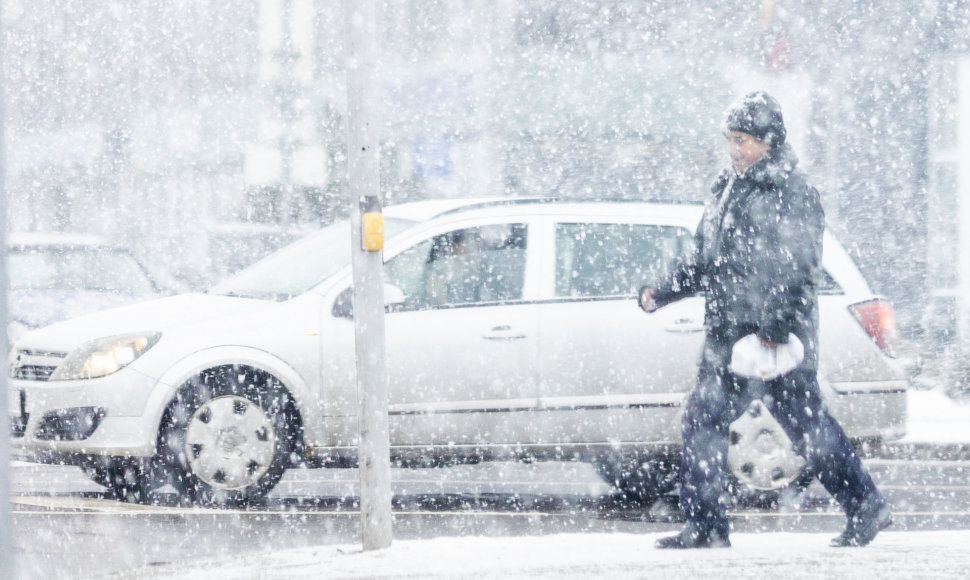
(757, 258)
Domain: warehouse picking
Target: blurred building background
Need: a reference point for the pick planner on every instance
(158, 124)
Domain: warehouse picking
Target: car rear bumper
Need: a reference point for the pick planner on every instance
(873, 410)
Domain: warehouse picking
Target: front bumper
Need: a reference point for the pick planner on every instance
(56, 420)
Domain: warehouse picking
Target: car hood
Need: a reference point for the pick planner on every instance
(153, 315)
(37, 308)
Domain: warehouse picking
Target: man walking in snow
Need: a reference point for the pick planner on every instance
(756, 256)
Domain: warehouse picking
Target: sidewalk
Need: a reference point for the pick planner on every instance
(938, 427)
(897, 555)
(935, 418)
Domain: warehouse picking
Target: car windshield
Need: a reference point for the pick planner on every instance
(297, 268)
(76, 269)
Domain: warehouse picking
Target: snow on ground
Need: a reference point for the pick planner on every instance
(932, 417)
(936, 555)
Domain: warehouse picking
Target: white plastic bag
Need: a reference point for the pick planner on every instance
(751, 359)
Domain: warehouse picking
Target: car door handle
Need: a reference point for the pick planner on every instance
(503, 332)
(684, 325)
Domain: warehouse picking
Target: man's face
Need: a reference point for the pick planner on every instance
(744, 149)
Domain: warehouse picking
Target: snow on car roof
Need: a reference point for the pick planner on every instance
(17, 239)
(428, 209)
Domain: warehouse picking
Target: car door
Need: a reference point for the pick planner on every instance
(461, 346)
(608, 371)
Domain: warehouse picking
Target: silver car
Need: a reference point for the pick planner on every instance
(56, 275)
(512, 332)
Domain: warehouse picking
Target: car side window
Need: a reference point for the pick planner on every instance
(477, 265)
(609, 259)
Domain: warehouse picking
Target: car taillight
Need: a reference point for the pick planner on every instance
(878, 319)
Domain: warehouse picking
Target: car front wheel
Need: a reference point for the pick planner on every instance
(227, 436)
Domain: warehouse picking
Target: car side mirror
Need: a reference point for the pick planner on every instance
(343, 306)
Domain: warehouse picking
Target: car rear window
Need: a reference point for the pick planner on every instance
(614, 259)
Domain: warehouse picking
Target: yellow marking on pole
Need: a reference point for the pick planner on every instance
(372, 231)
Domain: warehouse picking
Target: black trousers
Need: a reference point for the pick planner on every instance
(796, 403)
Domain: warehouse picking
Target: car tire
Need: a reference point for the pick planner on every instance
(227, 436)
(639, 480)
(127, 479)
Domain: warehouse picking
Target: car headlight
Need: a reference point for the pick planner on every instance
(101, 357)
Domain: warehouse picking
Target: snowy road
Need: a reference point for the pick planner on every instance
(67, 529)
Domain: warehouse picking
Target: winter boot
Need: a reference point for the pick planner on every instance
(690, 538)
(862, 526)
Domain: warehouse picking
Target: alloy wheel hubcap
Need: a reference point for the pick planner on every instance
(230, 442)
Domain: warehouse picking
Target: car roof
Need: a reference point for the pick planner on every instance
(56, 239)
(429, 209)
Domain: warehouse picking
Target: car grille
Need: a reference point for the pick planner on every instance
(31, 365)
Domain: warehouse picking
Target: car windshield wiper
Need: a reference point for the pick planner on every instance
(229, 293)
(274, 296)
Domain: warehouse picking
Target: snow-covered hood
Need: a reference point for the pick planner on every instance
(154, 315)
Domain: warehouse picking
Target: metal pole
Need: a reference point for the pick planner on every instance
(286, 92)
(7, 564)
(962, 69)
(363, 158)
